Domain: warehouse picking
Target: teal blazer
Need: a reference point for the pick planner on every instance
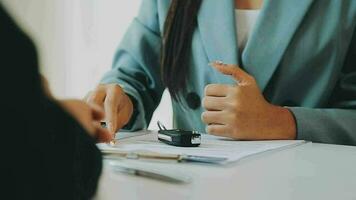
(302, 54)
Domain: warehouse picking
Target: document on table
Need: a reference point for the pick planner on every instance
(212, 146)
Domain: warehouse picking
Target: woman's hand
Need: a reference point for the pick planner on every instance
(241, 112)
(117, 105)
(89, 116)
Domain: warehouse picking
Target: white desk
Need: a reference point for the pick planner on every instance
(310, 171)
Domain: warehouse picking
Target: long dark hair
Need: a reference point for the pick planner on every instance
(179, 27)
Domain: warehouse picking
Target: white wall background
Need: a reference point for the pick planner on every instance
(76, 40)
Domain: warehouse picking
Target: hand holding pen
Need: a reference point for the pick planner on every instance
(116, 104)
(89, 116)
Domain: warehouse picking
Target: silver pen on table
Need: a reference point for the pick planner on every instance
(152, 174)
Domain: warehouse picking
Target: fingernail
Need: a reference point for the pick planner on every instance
(112, 142)
(111, 128)
(216, 62)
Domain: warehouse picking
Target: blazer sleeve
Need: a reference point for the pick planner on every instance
(136, 65)
(337, 122)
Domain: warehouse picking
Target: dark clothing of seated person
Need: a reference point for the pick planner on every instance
(45, 152)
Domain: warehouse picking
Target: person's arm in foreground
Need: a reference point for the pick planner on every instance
(46, 153)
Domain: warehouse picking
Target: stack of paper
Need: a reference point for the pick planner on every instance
(210, 146)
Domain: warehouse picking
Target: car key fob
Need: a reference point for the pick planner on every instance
(178, 137)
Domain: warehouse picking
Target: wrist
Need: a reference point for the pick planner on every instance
(284, 124)
(133, 111)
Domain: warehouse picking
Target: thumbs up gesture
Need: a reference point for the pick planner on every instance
(241, 112)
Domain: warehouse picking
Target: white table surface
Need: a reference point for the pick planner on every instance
(310, 171)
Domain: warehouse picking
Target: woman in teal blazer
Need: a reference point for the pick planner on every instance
(296, 77)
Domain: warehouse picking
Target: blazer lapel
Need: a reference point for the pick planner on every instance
(274, 30)
(216, 23)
